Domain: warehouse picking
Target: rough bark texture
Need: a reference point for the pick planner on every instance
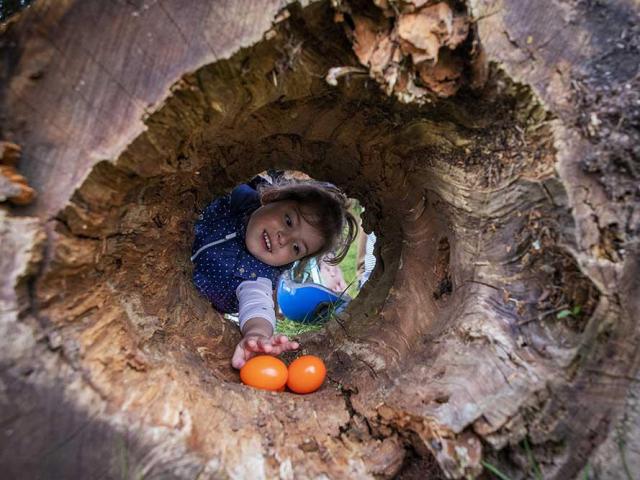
(496, 209)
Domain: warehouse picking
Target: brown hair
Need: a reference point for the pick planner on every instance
(324, 206)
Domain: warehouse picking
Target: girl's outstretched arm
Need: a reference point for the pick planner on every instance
(257, 322)
(258, 338)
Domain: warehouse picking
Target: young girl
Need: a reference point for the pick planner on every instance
(246, 239)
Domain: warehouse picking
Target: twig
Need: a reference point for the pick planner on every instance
(337, 72)
(541, 315)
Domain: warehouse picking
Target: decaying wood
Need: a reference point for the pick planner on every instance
(414, 50)
(501, 321)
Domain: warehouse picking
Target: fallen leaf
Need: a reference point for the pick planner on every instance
(365, 36)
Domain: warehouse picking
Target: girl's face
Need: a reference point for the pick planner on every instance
(277, 234)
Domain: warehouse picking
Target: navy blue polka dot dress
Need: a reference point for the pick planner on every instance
(220, 258)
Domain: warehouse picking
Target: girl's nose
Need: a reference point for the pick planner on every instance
(283, 238)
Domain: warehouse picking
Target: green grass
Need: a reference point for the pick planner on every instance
(348, 266)
(532, 460)
(293, 329)
(495, 471)
(533, 468)
(623, 458)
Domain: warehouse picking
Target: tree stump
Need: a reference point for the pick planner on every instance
(497, 163)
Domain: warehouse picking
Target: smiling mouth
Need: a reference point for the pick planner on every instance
(267, 240)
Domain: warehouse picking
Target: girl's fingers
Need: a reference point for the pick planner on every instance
(237, 361)
(277, 350)
(259, 345)
(274, 345)
(240, 356)
(264, 345)
(290, 346)
(285, 347)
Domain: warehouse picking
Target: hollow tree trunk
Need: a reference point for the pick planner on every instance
(501, 179)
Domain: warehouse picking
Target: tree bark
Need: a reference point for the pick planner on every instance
(500, 327)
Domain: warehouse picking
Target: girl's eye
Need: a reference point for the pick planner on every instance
(296, 249)
(287, 220)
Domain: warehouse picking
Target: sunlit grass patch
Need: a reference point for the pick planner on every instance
(293, 329)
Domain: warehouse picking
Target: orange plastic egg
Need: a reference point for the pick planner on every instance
(264, 372)
(306, 374)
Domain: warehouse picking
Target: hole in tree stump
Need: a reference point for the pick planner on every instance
(483, 303)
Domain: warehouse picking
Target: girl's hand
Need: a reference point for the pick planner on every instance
(251, 345)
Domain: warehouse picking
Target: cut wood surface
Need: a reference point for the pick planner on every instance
(500, 326)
